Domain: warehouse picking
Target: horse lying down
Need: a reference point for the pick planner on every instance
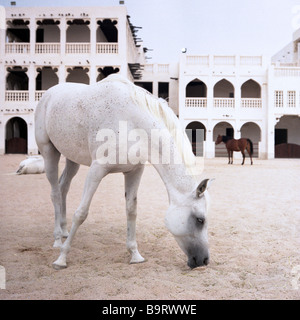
(33, 164)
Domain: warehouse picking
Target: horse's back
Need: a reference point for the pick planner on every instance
(70, 115)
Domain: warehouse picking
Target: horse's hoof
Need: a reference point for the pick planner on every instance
(137, 261)
(65, 234)
(58, 266)
(137, 258)
(57, 243)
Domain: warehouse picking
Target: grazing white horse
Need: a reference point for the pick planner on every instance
(112, 126)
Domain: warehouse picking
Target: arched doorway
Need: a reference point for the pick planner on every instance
(196, 89)
(252, 131)
(287, 137)
(78, 75)
(196, 133)
(223, 89)
(224, 129)
(16, 136)
(250, 89)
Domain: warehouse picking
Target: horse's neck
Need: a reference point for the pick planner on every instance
(178, 182)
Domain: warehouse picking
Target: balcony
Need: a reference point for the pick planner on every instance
(224, 103)
(17, 48)
(251, 103)
(44, 48)
(17, 96)
(78, 48)
(107, 48)
(39, 94)
(196, 102)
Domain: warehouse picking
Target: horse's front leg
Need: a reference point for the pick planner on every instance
(132, 181)
(228, 151)
(94, 176)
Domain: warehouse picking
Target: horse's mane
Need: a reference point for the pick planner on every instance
(226, 138)
(160, 110)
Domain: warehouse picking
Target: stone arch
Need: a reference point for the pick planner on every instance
(78, 75)
(252, 131)
(196, 133)
(17, 78)
(223, 89)
(250, 89)
(224, 129)
(287, 137)
(196, 89)
(16, 135)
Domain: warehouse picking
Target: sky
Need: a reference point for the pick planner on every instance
(252, 27)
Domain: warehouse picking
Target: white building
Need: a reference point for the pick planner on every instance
(242, 96)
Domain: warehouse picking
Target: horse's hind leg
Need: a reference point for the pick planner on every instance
(94, 176)
(51, 158)
(65, 179)
(243, 153)
(132, 181)
(250, 154)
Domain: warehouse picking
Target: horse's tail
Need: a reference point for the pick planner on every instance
(251, 146)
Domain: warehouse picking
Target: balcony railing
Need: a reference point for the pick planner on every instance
(19, 96)
(39, 94)
(224, 103)
(107, 47)
(55, 48)
(42, 48)
(196, 102)
(17, 48)
(78, 48)
(251, 103)
(287, 72)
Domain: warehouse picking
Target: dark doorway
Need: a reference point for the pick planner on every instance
(146, 85)
(16, 136)
(229, 132)
(281, 136)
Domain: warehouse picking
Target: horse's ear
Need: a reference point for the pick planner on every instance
(204, 185)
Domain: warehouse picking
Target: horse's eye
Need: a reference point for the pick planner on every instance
(200, 220)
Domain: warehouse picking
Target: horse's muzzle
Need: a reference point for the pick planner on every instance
(194, 262)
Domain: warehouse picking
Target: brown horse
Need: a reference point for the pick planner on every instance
(236, 145)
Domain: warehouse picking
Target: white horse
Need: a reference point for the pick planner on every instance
(33, 164)
(84, 123)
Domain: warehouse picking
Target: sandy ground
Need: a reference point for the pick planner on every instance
(254, 231)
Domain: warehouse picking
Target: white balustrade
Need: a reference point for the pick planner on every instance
(17, 48)
(163, 68)
(196, 102)
(197, 60)
(251, 103)
(78, 48)
(287, 72)
(251, 60)
(224, 60)
(19, 96)
(42, 48)
(39, 94)
(224, 102)
(107, 47)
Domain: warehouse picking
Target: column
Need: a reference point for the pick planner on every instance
(31, 73)
(63, 35)
(32, 28)
(209, 143)
(93, 37)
